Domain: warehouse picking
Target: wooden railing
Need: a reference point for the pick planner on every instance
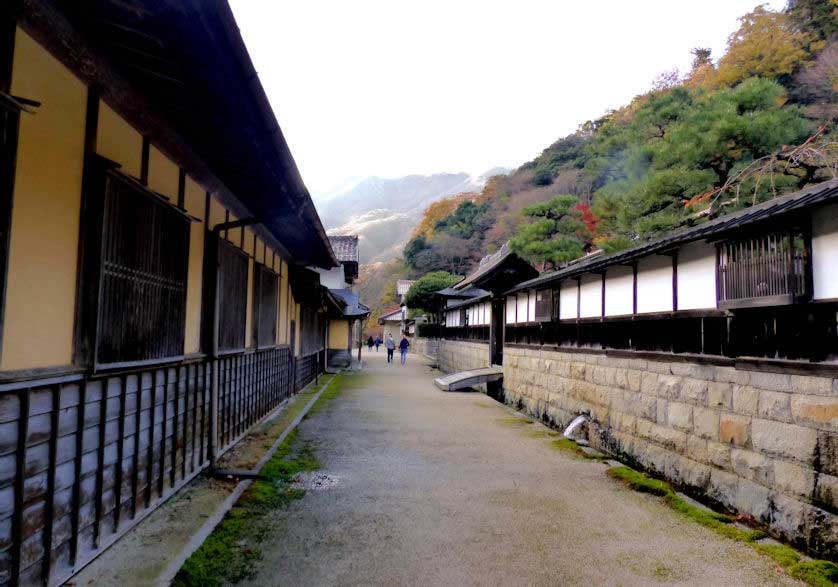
(765, 270)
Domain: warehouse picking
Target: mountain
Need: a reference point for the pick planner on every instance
(383, 212)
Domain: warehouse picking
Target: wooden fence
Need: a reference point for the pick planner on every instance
(83, 459)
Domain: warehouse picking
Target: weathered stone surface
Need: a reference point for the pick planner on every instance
(694, 391)
(680, 416)
(669, 386)
(706, 423)
(662, 411)
(723, 487)
(633, 378)
(753, 466)
(793, 479)
(697, 449)
(745, 400)
(828, 452)
(693, 371)
(720, 395)
(732, 375)
(647, 405)
(754, 499)
(817, 411)
(826, 491)
(785, 440)
(774, 405)
(649, 383)
(771, 381)
(811, 385)
(719, 455)
(734, 429)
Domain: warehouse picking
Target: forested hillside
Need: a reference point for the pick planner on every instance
(755, 123)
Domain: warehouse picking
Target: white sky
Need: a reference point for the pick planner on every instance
(391, 87)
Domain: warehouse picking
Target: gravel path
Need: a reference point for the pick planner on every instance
(433, 488)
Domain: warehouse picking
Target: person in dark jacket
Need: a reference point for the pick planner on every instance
(377, 343)
(403, 344)
(370, 342)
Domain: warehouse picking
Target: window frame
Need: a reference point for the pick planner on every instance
(261, 272)
(222, 303)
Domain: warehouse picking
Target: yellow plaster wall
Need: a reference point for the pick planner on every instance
(248, 242)
(216, 213)
(40, 299)
(234, 235)
(260, 251)
(194, 201)
(163, 174)
(117, 140)
(338, 334)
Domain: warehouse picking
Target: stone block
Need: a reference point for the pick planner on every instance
(719, 455)
(745, 400)
(669, 386)
(644, 428)
(720, 395)
(811, 385)
(693, 370)
(771, 381)
(828, 451)
(732, 375)
(793, 479)
(785, 440)
(734, 429)
(826, 491)
(774, 405)
(645, 405)
(680, 416)
(662, 411)
(754, 499)
(697, 449)
(621, 378)
(633, 378)
(649, 383)
(659, 367)
(670, 438)
(753, 466)
(706, 423)
(694, 391)
(577, 370)
(723, 487)
(817, 411)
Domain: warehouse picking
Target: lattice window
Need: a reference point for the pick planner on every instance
(769, 269)
(266, 287)
(142, 293)
(232, 297)
(543, 305)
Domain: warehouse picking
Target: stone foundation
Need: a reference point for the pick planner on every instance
(458, 355)
(759, 443)
(425, 346)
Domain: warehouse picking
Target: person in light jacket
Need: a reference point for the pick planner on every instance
(390, 345)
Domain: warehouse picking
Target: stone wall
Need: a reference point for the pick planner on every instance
(759, 443)
(457, 355)
(424, 346)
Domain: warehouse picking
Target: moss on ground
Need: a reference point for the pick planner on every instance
(570, 446)
(819, 573)
(229, 553)
(514, 421)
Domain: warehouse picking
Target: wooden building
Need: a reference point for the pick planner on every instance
(154, 239)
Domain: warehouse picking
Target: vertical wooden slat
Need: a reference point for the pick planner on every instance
(100, 461)
(195, 395)
(120, 452)
(20, 478)
(135, 465)
(204, 388)
(161, 481)
(75, 505)
(185, 376)
(49, 498)
(175, 427)
(149, 467)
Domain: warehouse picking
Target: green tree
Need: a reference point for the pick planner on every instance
(420, 293)
(819, 17)
(467, 219)
(553, 233)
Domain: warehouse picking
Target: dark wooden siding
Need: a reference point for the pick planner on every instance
(145, 252)
(81, 461)
(232, 294)
(266, 288)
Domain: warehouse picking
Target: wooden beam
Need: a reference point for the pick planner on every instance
(675, 281)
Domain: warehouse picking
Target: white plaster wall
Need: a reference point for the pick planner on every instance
(332, 278)
(567, 300)
(590, 304)
(654, 284)
(619, 291)
(522, 306)
(696, 276)
(825, 252)
(510, 309)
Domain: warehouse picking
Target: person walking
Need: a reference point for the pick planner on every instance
(370, 342)
(403, 344)
(390, 345)
(377, 342)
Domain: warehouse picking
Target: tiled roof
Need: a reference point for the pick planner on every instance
(345, 248)
(724, 225)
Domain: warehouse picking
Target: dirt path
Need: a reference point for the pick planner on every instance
(450, 489)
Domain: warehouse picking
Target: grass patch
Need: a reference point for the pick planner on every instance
(514, 421)
(819, 573)
(570, 446)
(228, 555)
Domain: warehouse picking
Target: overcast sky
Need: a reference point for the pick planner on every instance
(391, 87)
